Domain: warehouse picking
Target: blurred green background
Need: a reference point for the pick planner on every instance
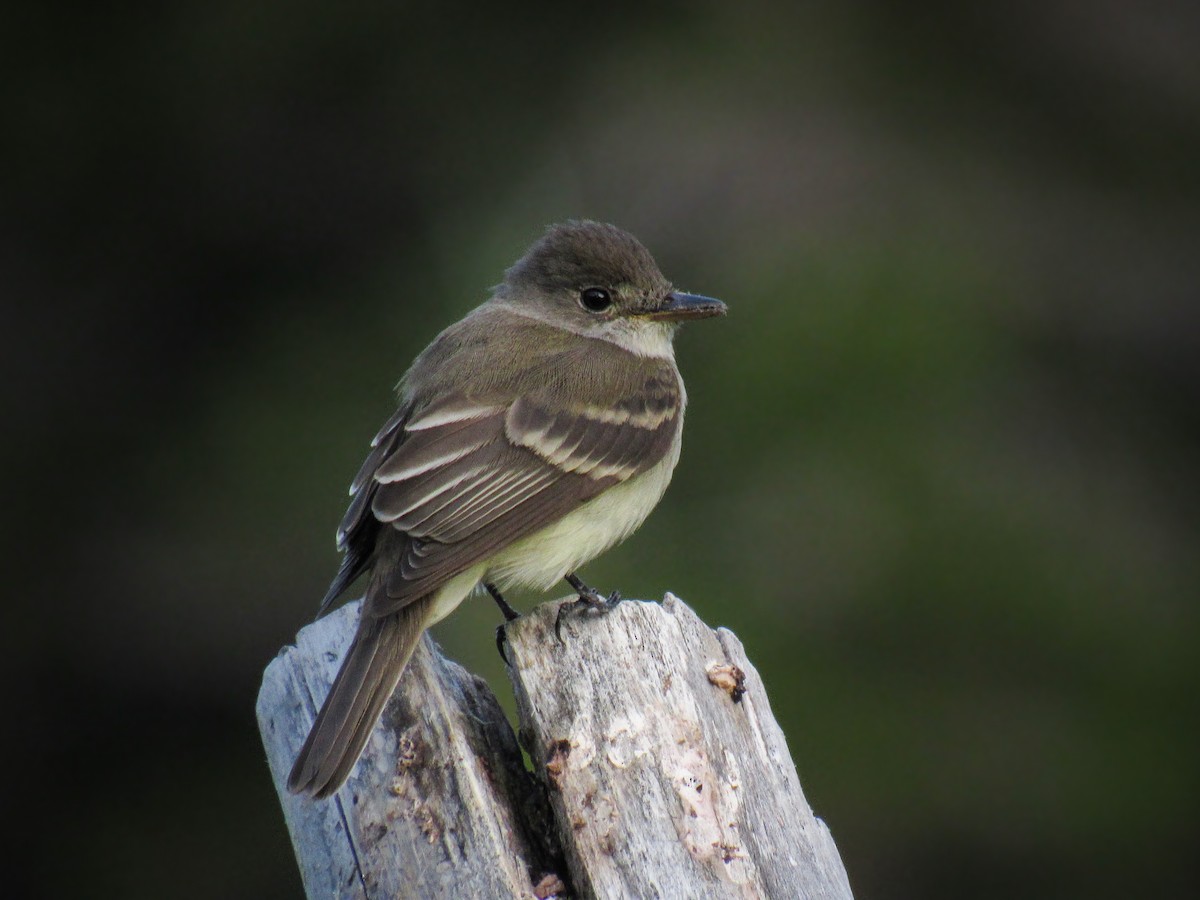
(940, 467)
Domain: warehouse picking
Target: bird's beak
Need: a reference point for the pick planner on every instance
(678, 306)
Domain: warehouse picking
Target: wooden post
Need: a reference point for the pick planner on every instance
(658, 770)
(439, 805)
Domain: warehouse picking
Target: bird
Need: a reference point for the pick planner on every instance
(529, 437)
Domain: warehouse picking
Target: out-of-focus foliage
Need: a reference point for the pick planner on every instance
(940, 462)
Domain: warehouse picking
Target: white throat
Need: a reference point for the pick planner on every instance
(644, 338)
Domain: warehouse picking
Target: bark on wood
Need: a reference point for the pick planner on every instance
(669, 777)
(650, 734)
(440, 805)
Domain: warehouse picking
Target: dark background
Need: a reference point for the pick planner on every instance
(940, 471)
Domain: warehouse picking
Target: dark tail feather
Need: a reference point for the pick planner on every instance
(378, 654)
(359, 550)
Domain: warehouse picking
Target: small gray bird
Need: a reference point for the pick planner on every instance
(530, 437)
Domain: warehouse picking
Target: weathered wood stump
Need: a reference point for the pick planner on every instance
(658, 770)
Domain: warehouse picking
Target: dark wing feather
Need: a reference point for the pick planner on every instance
(462, 480)
(357, 534)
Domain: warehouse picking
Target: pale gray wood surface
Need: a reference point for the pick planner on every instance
(439, 804)
(651, 734)
(661, 784)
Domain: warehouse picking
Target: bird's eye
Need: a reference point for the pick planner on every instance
(595, 299)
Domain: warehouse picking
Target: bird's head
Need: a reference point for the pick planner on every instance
(599, 281)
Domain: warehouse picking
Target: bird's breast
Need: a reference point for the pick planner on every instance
(544, 557)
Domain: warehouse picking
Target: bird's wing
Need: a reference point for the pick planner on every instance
(357, 534)
(463, 479)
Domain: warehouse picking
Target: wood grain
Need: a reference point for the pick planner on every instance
(658, 770)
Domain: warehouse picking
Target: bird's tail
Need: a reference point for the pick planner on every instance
(377, 656)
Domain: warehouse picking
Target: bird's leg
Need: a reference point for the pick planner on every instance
(589, 598)
(509, 615)
(508, 611)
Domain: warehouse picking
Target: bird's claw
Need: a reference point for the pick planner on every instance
(502, 642)
(588, 599)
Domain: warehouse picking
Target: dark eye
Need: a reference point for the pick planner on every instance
(595, 299)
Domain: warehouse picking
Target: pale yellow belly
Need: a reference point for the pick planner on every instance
(543, 558)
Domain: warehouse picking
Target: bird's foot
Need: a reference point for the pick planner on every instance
(509, 614)
(502, 642)
(588, 599)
